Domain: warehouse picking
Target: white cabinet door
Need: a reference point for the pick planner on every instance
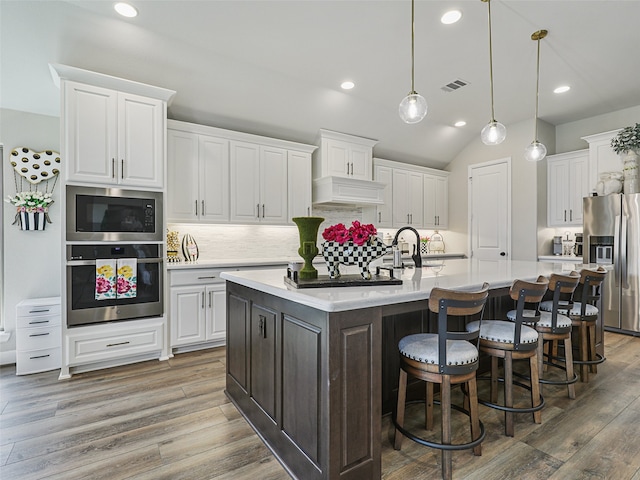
(140, 141)
(436, 206)
(338, 158)
(361, 160)
(567, 184)
(245, 182)
(408, 206)
(299, 179)
(273, 185)
(90, 133)
(113, 137)
(182, 184)
(214, 179)
(578, 188)
(188, 310)
(384, 212)
(216, 324)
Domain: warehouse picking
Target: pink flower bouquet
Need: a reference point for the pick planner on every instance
(358, 233)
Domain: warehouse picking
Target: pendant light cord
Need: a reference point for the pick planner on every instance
(535, 118)
(413, 91)
(493, 115)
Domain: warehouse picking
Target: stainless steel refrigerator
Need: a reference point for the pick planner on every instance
(611, 236)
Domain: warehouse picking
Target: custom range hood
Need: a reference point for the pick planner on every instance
(343, 169)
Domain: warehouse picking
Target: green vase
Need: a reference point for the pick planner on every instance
(308, 228)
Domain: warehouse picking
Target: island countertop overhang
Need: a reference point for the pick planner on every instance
(416, 283)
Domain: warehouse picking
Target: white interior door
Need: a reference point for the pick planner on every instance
(490, 210)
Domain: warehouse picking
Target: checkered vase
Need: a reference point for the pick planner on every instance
(350, 254)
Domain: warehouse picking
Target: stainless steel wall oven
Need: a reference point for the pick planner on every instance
(85, 304)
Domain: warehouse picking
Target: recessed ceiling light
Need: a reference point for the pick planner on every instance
(451, 16)
(348, 85)
(126, 10)
(460, 123)
(562, 89)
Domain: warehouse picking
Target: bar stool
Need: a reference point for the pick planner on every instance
(584, 315)
(511, 340)
(447, 358)
(554, 326)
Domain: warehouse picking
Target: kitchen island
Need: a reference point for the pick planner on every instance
(313, 370)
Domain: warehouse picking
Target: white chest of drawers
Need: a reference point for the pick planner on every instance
(38, 335)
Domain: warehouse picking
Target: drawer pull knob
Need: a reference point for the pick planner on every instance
(39, 334)
(39, 356)
(116, 344)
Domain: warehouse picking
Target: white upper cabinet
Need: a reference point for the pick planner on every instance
(408, 207)
(602, 158)
(112, 137)
(342, 155)
(384, 212)
(198, 187)
(299, 180)
(567, 184)
(436, 201)
(258, 184)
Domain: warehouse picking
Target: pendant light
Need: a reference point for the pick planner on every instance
(536, 151)
(413, 107)
(494, 132)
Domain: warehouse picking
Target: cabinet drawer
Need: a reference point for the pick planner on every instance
(37, 361)
(31, 308)
(38, 321)
(98, 345)
(197, 276)
(28, 339)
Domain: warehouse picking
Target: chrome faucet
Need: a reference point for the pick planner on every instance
(417, 259)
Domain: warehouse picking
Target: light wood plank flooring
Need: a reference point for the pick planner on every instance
(171, 420)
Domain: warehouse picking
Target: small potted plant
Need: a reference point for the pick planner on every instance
(32, 209)
(627, 141)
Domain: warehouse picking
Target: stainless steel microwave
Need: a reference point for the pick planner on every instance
(113, 215)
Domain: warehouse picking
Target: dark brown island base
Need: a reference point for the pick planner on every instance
(314, 370)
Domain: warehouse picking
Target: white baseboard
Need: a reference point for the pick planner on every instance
(8, 357)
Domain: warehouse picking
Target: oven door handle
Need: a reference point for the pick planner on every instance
(80, 263)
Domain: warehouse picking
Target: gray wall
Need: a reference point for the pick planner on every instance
(32, 259)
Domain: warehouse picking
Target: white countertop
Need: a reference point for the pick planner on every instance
(560, 258)
(416, 285)
(274, 262)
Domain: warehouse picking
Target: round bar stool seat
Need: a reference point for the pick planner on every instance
(446, 358)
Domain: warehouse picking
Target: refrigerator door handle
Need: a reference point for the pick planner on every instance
(624, 278)
(616, 250)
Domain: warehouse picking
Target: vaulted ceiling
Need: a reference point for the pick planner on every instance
(275, 67)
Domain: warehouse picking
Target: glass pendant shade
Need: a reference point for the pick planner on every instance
(413, 108)
(493, 133)
(535, 151)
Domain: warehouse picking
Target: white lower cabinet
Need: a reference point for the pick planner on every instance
(197, 306)
(38, 335)
(112, 341)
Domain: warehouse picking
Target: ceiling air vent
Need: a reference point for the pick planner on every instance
(454, 85)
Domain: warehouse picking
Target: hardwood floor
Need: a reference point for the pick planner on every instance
(172, 420)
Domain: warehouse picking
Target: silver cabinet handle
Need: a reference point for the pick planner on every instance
(571, 215)
(407, 218)
(114, 344)
(351, 168)
(203, 207)
(263, 210)
(202, 299)
(39, 334)
(38, 322)
(113, 168)
(205, 278)
(122, 168)
(196, 208)
(379, 217)
(347, 168)
(258, 210)
(42, 356)
(308, 211)
(210, 299)
(39, 311)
